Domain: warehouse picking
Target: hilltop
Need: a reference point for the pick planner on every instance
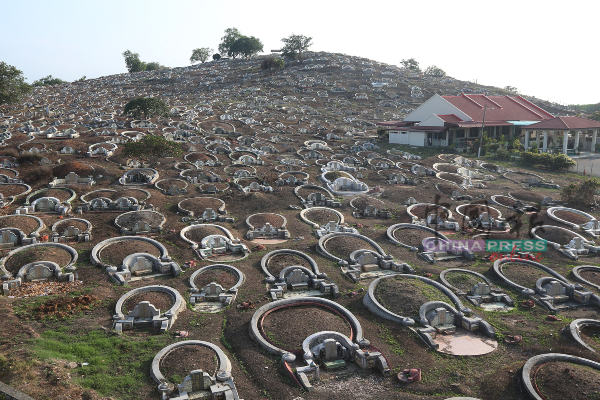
(331, 85)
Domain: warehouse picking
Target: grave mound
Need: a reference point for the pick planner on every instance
(23, 223)
(114, 253)
(523, 274)
(222, 276)
(406, 296)
(565, 381)
(179, 362)
(81, 169)
(160, 300)
(288, 327)
(46, 253)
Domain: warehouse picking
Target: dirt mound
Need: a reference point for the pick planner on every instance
(288, 327)
(223, 277)
(259, 220)
(572, 217)
(81, 169)
(200, 232)
(25, 224)
(321, 217)
(342, 246)
(423, 211)
(523, 274)
(49, 253)
(178, 363)
(473, 211)
(555, 235)
(279, 262)
(406, 296)
(528, 196)
(566, 381)
(62, 307)
(412, 237)
(160, 300)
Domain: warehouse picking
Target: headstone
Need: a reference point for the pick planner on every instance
(39, 271)
(330, 346)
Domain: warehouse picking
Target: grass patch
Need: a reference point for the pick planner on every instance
(116, 364)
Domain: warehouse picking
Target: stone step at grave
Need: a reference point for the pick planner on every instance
(445, 329)
(333, 365)
(561, 298)
(141, 272)
(204, 395)
(370, 267)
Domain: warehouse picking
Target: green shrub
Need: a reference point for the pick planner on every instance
(553, 162)
(29, 158)
(501, 154)
(581, 193)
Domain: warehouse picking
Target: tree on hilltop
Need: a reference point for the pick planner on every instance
(411, 64)
(144, 107)
(227, 41)
(154, 66)
(48, 81)
(133, 62)
(200, 54)
(274, 63)
(246, 46)
(295, 45)
(436, 71)
(152, 147)
(12, 84)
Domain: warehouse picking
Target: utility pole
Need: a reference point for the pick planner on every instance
(482, 128)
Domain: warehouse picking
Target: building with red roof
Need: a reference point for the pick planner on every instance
(576, 133)
(443, 120)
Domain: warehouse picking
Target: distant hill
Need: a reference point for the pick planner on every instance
(588, 108)
(340, 88)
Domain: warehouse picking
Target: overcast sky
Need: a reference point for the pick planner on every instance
(544, 48)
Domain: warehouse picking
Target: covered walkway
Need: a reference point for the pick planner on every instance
(552, 132)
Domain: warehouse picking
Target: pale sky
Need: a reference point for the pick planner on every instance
(544, 48)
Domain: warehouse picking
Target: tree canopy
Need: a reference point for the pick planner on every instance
(133, 62)
(411, 64)
(434, 70)
(227, 41)
(48, 80)
(144, 107)
(154, 65)
(12, 84)
(246, 46)
(152, 147)
(200, 54)
(275, 63)
(295, 45)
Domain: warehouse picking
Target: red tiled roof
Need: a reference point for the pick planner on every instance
(473, 124)
(450, 118)
(420, 128)
(566, 123)
(393, 123)
(499, 108)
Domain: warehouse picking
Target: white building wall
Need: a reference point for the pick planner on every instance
(435, 105)
(399, 137)
(417, 138)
